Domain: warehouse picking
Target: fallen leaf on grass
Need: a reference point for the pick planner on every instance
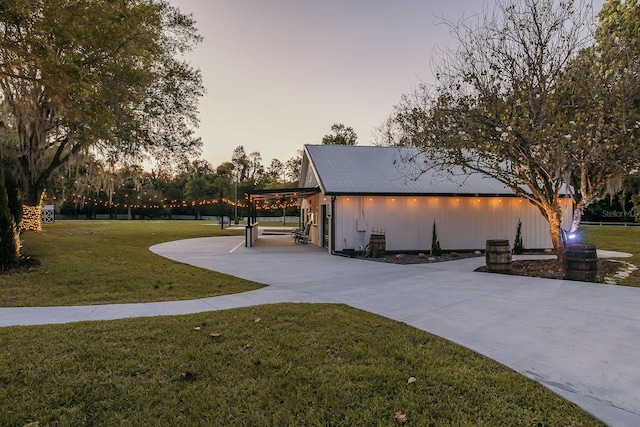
(247, 345)
(214, 334)
(401, 417)
(257, 320)
(197, 328)
(411, 380)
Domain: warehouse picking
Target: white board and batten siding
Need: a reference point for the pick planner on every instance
(462, 223)
(373, 190)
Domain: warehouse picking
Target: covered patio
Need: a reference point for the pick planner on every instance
(253, 230)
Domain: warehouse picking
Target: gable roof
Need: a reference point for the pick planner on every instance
(371, 170)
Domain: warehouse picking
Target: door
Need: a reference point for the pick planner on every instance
(325, 227)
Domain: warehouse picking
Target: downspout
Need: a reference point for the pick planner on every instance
(363, 233)
(333, 226)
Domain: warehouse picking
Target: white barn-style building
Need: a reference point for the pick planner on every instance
(362, 190)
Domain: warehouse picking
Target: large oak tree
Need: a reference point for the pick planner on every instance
(95, 74)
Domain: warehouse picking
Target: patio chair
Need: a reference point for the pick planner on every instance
(302, 236)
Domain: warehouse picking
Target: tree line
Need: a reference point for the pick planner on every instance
(89, 184)
(92, 186)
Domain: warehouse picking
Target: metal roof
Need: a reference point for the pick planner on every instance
(347, 169)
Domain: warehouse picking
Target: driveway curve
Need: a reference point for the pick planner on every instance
(580, 340)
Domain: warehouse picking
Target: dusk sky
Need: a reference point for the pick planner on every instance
(279, 73)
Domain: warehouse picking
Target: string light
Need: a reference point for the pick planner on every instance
(174, 203)
(31, 218)
(84, 194)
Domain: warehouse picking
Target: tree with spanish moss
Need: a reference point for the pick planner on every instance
(95, 76)
(618, 53)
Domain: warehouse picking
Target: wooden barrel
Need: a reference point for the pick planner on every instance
(378, 245)
(498, 256)
(581, 262)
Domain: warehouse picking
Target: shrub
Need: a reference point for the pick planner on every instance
(518, 247)
(435, 243)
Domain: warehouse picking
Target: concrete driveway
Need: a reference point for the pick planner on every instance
(581, 340)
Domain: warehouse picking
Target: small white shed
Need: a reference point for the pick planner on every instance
(364, 189)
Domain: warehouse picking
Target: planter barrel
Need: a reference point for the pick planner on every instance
(378, 244)
(498, 256)
(581, 262)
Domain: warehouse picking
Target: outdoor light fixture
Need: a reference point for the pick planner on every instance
(571, 236)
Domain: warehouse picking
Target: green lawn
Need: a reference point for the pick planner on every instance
(101, 262)
(614, 238)
(276, 365)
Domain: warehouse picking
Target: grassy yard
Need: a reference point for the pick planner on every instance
(100, 262)
(614, 238)
(276, 365)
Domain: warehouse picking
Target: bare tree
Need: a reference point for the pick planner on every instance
(494, 108)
